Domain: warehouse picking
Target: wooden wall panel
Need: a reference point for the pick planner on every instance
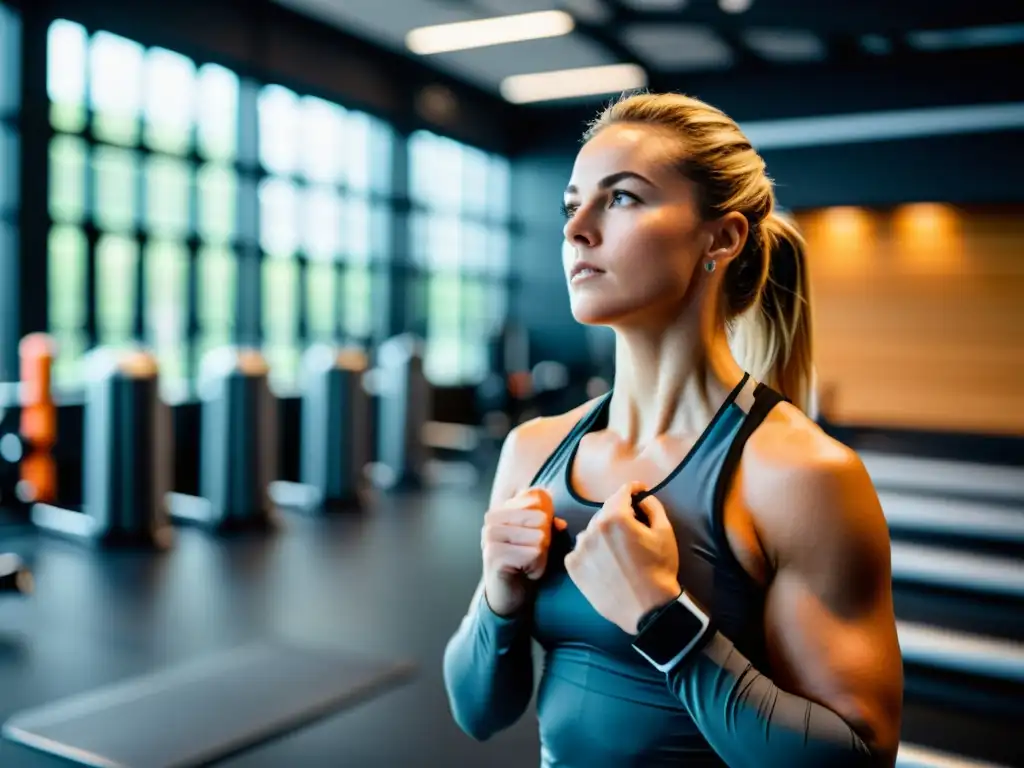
(919, 316)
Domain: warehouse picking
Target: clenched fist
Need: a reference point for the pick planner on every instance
(515, 541)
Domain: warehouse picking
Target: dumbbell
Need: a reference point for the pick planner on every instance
(15, 577)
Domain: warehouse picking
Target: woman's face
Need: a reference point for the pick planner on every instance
(633, 218)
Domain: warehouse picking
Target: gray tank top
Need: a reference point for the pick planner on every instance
(599, 702)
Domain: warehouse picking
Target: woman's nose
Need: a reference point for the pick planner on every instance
(581, 231)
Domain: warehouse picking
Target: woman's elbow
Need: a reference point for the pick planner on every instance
(473, 722)
(479, 710)
(467, 709)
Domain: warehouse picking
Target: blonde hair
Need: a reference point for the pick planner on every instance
(766, 299)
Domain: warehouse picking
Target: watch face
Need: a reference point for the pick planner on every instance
(670, 633)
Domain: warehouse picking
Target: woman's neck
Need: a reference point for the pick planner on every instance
(669, 382)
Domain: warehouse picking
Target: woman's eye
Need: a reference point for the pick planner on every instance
(569, 210)
(621, 198)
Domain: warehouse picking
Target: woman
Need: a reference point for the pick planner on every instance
(707, 572)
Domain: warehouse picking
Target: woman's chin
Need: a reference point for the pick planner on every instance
(589, 313)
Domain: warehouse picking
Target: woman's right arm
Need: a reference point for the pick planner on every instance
(488, 663)
(488, 669)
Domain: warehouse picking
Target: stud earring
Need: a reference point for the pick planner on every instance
(709, 266)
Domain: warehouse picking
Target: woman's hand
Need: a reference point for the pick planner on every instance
(623, 567)
(515, 540)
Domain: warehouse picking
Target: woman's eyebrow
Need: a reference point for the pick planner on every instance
(611, 180)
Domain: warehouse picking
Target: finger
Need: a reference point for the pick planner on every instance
(657, 517)
(582, 541)
(619, 504)
(532, 498)
(626, 491)
(540, 499)
(536, 568)
(522, 500)
(510, 557)
(521, 516)
(571, 563)
(536, 497)
(638, 491)
(517, 534)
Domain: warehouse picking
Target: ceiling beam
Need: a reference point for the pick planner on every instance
(885, 84)
(835, 16)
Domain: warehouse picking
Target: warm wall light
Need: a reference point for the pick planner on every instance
(925, 220)
(484, 32)
(846, 222)
(928, 236)
(570, 83)
(840, 240)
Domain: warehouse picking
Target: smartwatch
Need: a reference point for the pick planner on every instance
(673, 633)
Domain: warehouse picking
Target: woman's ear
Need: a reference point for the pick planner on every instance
(728, 234)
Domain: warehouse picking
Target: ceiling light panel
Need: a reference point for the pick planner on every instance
(785, 45)
(573, 84)
(484, 33)
(735, 6)
(678, 47)
(969, 37)
(487, 67)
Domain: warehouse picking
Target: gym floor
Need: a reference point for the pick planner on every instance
(391, 581)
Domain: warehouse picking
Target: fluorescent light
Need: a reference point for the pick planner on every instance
(970, 37)
(785, 45)
(483, 32)
(570, 83)
(735, 6)
(862, 127)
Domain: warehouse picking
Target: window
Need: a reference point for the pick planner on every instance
(142, 202)
(460, 241)
(153, 197)
(325, 221)
(10, 153)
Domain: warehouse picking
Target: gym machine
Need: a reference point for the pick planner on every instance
(403, 409)
(335, 437)
(125, 453)
(238, 452)
(127, 457)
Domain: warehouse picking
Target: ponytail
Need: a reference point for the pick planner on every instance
(772, 338)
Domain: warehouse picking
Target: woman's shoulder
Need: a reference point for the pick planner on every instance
(790, 464)
(529, 445)
(790, 441)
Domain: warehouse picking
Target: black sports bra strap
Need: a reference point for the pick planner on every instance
(765, 398)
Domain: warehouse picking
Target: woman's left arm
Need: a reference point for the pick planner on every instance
(835, 695)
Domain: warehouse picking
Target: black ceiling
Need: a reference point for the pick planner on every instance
(872, 58)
